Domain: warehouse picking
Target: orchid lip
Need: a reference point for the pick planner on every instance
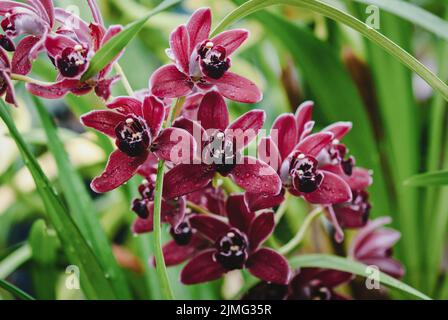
(133, 137)
(232, 249)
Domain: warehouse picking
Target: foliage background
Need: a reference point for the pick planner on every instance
(293, 55)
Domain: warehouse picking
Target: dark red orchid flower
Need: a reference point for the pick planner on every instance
(6, 85)
(35, 21)
(373, 246)
(136, 127)
(236, 245)
(307, 284)
(70, 50)
(210, 198)
(221, 146)
(201, 63)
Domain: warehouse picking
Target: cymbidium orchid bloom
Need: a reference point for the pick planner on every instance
(293, 151)
(201, 63)
(136, 127)
(307, 284)
(236, 245)
(34, 21)
(70, 49)
(6, 85)
(373, 247)
(222, 144)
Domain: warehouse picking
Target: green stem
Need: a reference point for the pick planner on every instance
(26, 79)
(19, 293)
(14, 261)
(344, 18)
(294, 242)
(124, 80)
(158, 252)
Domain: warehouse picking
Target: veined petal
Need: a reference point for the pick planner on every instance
(212, 112)
(187, 178)
(202, 268)
(269, 266)
(126, 105)
(119, 169)
(303, 115)
(104, 121)
(209, 226)
(231, 39)
(286, 131)
(256, 176)
(6, 6)
(169, 82)
(260, 229)
(268, 152)
(238, 212)
(339, 129)
(180, 46)
(257, 201)
(59, 89)
(313, 144)
(332, 190)
(154, 114)
(174, 145)
(21, 63)
(237, 88)
(175, 254)
(199, 27)
(246, 128)
(54, 44)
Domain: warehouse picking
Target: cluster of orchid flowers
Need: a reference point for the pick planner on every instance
(213, 230)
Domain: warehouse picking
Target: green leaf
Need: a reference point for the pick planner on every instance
(81, 206)
(93, 279)
(14, 260)
(344, 18)
(113, 47)
(437, 178)
(344, 264)
(19, 293)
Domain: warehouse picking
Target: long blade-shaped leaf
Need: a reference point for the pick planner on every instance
(92, 277)
(19, 293)
(113, 47)
(438, 178)
(347, 265)
(81, 205)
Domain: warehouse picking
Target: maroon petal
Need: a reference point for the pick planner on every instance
(6, 6)
(365, 232)
(286, 131)
(59, 89)
(55, 44)
(209, 226)
(237, 88)
(69, 19)
(174, 145)
(212, 112)
(338, 232)
(339, 129)
(187, 178)
(103, 87)
(180, 47)
(202, 268)
(257, 201)
(154, 114)
(268, 152)
(231, 39)
(175, 254)
(238, 212)
(269, 266)
(195, 129)
(21, 63)
(141, 225)
(256, 176)
(260, 229)
(126, 105)
(119, 169)
(169, 82)
(199, 26)
(46, 8)
(103, 120)
(313, 144)
(246, 128)
(303, 116)
(332, 190)
(333, 278)
(377, 243)
(360, 178)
